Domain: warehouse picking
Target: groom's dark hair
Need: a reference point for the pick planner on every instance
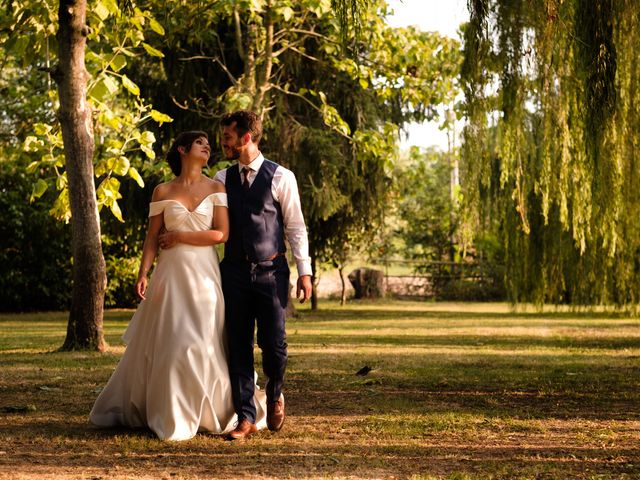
(184, 139)
(246, 122)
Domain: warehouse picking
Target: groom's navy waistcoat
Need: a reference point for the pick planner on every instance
(256, 226)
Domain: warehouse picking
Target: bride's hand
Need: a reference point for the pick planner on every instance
(168, 240)
(141, 287)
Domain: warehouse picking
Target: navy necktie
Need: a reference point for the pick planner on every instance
(245, 176)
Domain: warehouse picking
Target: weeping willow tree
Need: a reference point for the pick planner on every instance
(551, 144)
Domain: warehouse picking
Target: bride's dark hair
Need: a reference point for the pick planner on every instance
(184, 139)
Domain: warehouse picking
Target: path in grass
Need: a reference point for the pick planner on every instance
(456, 390)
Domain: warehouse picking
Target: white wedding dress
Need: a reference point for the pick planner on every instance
(173, 376)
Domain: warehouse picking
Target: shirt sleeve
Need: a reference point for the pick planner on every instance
(221, 176)
(285, 191)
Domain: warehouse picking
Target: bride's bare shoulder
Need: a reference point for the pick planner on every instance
(161, 192)
(218, 188)
(215, 186)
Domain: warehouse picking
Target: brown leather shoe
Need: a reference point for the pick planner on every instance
(244, 430)
(275, 414)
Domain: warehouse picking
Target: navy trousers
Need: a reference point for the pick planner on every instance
(255, 294)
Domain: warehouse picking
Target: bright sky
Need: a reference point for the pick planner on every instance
(443, 16)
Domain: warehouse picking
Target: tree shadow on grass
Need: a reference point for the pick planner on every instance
(501, 341)
(359, 454)
(364, 314)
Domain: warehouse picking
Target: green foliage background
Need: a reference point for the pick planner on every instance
(550, 149)
(157, 68)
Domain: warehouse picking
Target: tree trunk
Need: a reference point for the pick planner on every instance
(453, 183)
(343, 293)
(291, 311)
(314, 284)
(84, 330)
(367, 283)
(263, 74)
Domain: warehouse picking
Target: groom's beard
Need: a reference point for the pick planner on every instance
(232, 152)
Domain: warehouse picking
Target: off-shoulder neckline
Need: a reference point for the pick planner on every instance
(183, 206)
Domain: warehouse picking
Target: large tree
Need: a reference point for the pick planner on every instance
(551, 145)
(87, 64)
(89, 278)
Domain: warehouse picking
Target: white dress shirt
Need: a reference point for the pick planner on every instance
(284, 189)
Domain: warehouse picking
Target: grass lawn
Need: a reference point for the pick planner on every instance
(457, 391)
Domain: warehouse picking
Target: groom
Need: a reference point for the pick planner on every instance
(264, 206)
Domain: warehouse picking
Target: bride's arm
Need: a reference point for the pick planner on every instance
(149, 250)
(218, 234)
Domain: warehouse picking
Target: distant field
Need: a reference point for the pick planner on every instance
(456, 391)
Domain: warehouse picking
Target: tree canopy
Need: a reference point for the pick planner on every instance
(551, 144)
(333, 98)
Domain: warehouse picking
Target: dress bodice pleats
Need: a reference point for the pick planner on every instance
(177, 217)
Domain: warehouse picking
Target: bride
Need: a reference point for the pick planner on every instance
(173, 376)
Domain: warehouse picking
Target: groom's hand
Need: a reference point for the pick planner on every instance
(168, 239)
(303, 292)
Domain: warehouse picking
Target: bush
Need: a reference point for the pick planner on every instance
(121, 278)
(35, 261)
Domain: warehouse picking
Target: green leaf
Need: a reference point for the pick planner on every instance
(160, 117)
(363, 83)
(152, 51)
(133, 173)
(61, 208)
(116, 152)
(38, 189)
(32, 167)
(287, 13)
(32, 144)
(155, 26)
(91, 56)
(115, 209)
(112, 6)
(129, 85)
(111, 84)
(60, 160)
(101, 11)
(99, 91)
(107, 117)
(121, 166)
(104, 88)
(101, 168)
(127, 52)
(147, 138)
(148, 152)
(61, 181)
(108, 191)
(118, 63)
(42, 128)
